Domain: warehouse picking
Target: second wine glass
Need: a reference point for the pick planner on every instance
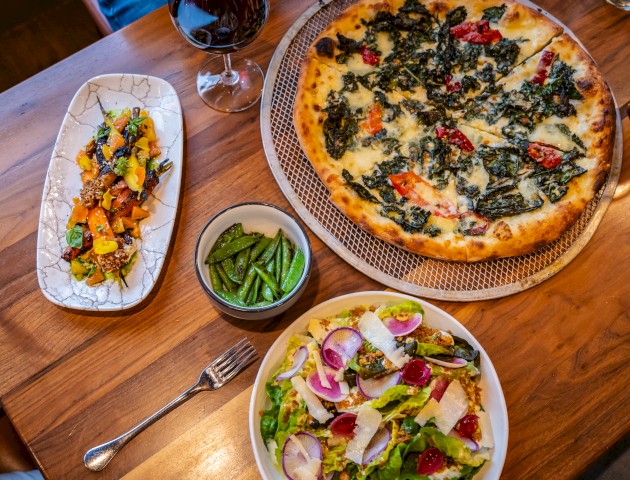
(228, 83)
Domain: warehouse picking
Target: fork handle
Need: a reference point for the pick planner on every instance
(97, 458)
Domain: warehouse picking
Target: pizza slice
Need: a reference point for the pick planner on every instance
(480, 42)
(556, 104)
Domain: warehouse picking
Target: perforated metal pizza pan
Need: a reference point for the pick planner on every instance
(389, 265)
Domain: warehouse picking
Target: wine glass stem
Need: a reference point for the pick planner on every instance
(229, 76)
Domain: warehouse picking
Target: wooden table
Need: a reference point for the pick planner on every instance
(71, 380)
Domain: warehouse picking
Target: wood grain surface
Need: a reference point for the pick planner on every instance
(70, 380)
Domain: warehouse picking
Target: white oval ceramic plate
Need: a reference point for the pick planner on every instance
(63, 182)
(492, 395)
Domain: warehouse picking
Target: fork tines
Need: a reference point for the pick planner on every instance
(231, 362)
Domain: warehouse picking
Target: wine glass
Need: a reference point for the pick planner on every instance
(228, 83)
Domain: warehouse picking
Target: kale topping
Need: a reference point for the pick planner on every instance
(412, 219)
(425, 117)
(347, 47)
(350, 83)
(505, 202)
(340, 126)
(413, 6)
(500, 162)
(487, 73)
(494, 14)
(552, 182)
(566, 131)
(359, 189)
(504, 53)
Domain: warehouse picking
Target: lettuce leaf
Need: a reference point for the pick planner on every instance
(334, 459)
(454, 448)
(397, 392)
(406, 308)
(430, 349)
(410, 406)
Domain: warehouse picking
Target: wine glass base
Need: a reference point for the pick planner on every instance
(230, 93)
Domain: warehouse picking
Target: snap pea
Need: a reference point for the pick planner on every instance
(295, 271)
(215, 279)
(257, 249)
(229, 284)
(241, 263)
(228, 267)
(286, 259)
(266, 290)
(230, 297)
(226, 237)
(278, 267)
(243, 290)
(253, 293)
(271, 249)
(234, 247)
(268, 278)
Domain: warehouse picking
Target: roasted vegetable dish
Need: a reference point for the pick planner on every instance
(119, 170)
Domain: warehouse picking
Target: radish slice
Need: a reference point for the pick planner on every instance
(375, 387)
(299, 357)
(314, 406)
(302, 457)
(398, 327)
(340, 346)
(416, 372)
(343, 425)
(453, 362)
(377, 445)
(337, 392)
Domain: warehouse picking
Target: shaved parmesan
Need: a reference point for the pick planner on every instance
(375, 332)
(487, 437)
(453, 406)
(314, 406)
(367, 423)
(320, 370)
(429, 411)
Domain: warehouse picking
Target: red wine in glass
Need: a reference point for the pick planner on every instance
(228, 83)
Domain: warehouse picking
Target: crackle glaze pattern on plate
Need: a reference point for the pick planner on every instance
(63, 182)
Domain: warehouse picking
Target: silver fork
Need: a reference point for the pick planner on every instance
(218, 373)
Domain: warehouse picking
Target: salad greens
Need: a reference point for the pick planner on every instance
(435, 406)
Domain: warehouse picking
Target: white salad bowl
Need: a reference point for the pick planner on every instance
(492, 394)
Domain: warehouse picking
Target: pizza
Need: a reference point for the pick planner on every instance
(458, 130)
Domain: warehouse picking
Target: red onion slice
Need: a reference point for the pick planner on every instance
(337, 392)
(377, 445)
(299, 357)
(375, 387)
(398, 327)
(453, 362)
(293, 454)
(340, 346)
(343, 425)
